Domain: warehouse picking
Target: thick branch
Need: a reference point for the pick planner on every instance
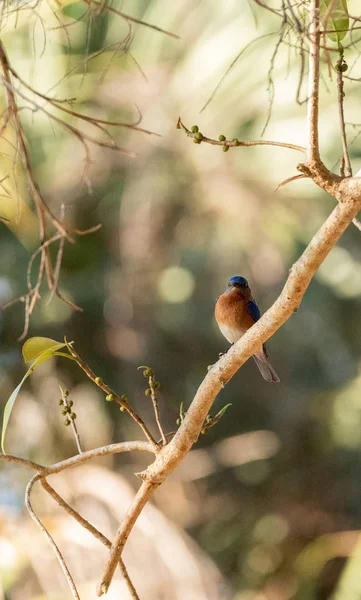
(140, 500)
(348, 192)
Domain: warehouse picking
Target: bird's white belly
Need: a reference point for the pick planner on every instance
(230, 333)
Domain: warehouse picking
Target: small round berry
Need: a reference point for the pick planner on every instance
(222, 138)
(194, 128)
(98, 380)
(156, 385)
(67, 422)
(61, 402)
(235, 141)
(225, 148)
(73, 416)
(148, 392)
(148, 373)
(109, 397)
(195, 141)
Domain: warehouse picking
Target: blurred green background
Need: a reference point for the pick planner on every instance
(282, 469)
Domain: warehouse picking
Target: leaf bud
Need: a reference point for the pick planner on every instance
(235, 141)
(199, 136)
(225, 148)
(67, 422)
(148, 372)
(98, 380)
(148, 392)
(73, 416)
(109, 397)
(194, 128)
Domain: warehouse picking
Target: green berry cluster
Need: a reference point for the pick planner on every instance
(67, 410)
(149, 374)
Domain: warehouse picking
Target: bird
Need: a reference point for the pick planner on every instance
(236, 311)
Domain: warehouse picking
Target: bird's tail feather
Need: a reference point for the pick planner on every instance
(267, 371)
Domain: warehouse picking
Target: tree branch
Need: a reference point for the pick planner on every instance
(93, 530)
(50, 539)
(143, 495)
(313, 153)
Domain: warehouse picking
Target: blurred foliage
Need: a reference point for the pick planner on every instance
(178, 221)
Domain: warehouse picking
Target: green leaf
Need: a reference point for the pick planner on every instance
(220, 414)
(36, 346)
(8, 408)
(37, 349)
(336, 20)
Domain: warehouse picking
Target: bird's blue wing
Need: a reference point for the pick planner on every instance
(253, 310)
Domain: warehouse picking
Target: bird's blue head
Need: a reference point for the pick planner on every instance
(238, 282)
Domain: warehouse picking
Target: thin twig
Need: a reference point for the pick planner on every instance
(92, 120)
(313, 153)
(80, 459)
(50, 539)
(93, 530)
(24, 462)
(346, 169)
(154, 398)
(124, 404)
(108, 8)
(286, 181)
(68, 407)
(236, 143)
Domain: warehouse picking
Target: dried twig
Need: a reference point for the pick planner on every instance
(289, 180)
(93, 530)
(50, 539)
(346, 169)
(313, 153)
(110, 9)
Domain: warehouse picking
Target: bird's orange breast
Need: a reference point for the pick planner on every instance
(232, 314)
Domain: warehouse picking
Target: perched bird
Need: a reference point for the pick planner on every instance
(236, 311)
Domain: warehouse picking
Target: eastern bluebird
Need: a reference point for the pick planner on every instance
(236, 311)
